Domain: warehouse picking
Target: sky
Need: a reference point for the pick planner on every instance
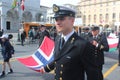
(49, 3)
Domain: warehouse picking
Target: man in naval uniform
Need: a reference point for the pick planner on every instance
(100, 44)
(72, 54)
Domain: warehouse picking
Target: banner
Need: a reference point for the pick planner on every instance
(113, 42)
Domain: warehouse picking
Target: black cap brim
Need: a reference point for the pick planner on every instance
(95, 28)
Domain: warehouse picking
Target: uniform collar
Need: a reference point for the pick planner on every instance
(66, 37)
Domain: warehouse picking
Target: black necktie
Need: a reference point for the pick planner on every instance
(62, 41)
(95, 37)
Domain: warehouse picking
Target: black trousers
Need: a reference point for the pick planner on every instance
(22, 42)
(119, 56)
(95, 73)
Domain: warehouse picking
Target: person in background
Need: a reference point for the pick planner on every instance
(99, 44)
(118, 46)
(10, 37)
(23, 36)
(6, 53)
(1, 32)
(30, 34)
(43, 33)
(86, 33)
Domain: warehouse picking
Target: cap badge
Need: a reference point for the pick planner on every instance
(55, 8)
(70, 14)
(72, 40)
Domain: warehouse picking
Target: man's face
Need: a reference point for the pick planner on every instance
(42, 28)
(95, 32)
(64, 24)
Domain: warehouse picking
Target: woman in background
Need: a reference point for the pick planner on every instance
(6, 53)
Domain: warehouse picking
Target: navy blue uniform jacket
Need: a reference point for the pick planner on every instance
(71, 61)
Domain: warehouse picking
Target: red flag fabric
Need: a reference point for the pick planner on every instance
(41, 57)
(22, 5)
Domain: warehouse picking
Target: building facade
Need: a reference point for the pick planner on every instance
(99, 12)
(11, 19)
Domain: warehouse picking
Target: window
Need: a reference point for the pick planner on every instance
(101, 3)
(8, 25)
(107, 4)
(114, 15)
(114, 2)
(100, 18)
(89, 18)
(106, 18)
(84, 19)
(106, 9)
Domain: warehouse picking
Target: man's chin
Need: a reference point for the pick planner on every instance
(59, 31)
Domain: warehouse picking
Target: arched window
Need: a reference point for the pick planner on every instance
(100, 18)
(84, 19)
(106, 17)
(114, 16)
(89, 18)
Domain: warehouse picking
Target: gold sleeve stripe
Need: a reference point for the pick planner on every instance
(48, 67)
(101, 47)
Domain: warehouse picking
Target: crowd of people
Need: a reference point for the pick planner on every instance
(36, 35)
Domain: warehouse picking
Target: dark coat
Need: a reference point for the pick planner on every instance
(118, 46)
(6, 49)
(99, 51)
(23, 35)
(71, 61)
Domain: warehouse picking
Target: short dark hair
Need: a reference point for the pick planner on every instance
(10, 36)
(42, 26)
(95, 28)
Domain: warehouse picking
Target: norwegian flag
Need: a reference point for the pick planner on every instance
(22, 5)
(41, 57)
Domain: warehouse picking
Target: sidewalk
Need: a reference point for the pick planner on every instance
(15, 41)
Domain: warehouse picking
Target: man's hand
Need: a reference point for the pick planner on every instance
(42, 70)
(94, 43)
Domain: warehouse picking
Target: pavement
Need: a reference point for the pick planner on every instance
(20, 71)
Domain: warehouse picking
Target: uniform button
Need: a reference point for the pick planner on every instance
(61, 72)
(55, 62)
(60, 78)
(61, 65)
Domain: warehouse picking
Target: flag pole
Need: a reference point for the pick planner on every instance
(21, 25)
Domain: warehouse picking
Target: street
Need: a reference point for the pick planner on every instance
(111, 70)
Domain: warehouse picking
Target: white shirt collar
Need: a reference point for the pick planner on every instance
(95, 36)
(66, 37)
